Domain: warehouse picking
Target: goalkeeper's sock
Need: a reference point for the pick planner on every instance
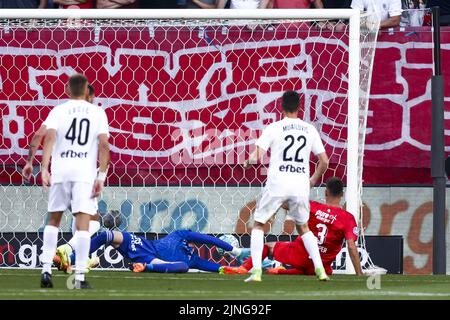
(94, 226)
(103, 238)
(256, 247)
(249, 263)
(49, 247)
(310, 242)
(201, 264)
(82, 254)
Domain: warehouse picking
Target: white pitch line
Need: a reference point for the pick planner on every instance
(204, 277)
(157, 293)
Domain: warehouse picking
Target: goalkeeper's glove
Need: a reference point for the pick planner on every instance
(139, 267)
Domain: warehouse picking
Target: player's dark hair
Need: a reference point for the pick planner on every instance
(290, 101)
(91, 89)
(77, 85)
(335, 187)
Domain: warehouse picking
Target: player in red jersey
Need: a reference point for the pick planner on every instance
(330, 224)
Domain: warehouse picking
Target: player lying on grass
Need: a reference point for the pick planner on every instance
(173, 253)
(330, 224)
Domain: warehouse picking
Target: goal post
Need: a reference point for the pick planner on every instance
(198, 90)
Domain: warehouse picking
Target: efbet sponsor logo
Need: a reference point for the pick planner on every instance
(73, 154)
(292, 169)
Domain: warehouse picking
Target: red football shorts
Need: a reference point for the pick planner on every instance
(295, 254)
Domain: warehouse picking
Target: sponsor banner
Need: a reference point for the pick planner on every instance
(186, 111)
(22, 250)
(404, 211)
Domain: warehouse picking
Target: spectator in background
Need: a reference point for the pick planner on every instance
(82, 4)
(413, 13)
(158, 4)
(243, 4)
(232, 4)
(444, 12)
(297, 4)
(335, 25)
(23, 4)
(390, 11)
(116, 4)
(203, 4)
(337, 4)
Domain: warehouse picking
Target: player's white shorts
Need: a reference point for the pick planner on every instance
(268, 205)
(74, 195)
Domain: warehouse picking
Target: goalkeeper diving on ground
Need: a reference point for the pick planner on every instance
(172, 254)
(328, 222)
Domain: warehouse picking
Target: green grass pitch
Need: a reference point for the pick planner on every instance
(24, 284)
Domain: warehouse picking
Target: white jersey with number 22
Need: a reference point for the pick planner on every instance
(78, 124)
(291, 142)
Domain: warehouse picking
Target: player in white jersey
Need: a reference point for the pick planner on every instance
(94, 224)
(77, 134)
(291, 141)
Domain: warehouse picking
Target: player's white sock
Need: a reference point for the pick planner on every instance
(256, 247)
(94, 226)
(74, 226)
(49, 247)
(310, 242)
(82, 247)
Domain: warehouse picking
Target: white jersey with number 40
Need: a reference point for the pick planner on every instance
(291, 142)
(78, 124)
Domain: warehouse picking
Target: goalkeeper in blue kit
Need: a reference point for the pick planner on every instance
(172, 254)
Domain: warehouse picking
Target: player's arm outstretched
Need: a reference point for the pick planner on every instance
(34, 145)
(354, 256)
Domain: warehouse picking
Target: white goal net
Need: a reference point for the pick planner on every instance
(186, 100)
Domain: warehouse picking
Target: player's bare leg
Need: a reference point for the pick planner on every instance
(311, 246)
(50, 240)
(256, 249)
(82, 246)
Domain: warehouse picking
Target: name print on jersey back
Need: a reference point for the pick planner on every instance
(78, 124)
(291, 142)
